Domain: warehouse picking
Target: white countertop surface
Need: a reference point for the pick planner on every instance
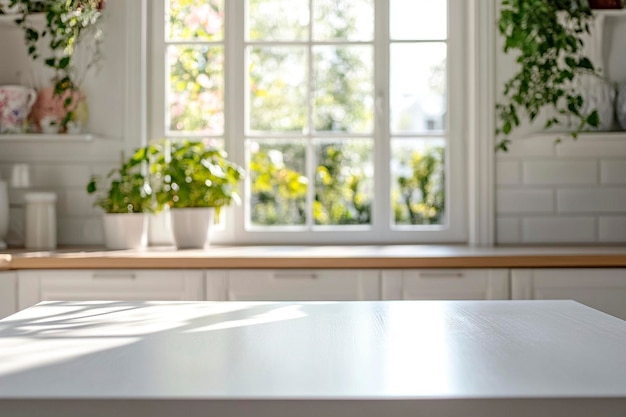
(319, 352)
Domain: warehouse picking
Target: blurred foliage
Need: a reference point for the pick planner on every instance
(196, 20)
(419, 197)
(278, 89)
(343, 190)
(196, 76)
(344, 90)
(278, 184)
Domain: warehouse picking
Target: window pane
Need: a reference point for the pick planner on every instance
(418, 19)
(278, 183)
(418, 87)
(343, 89)
(351, 20)
(195, 19)
(278, 19)
(344, 186)
(278, 89)
(196, 88)
(417, 181)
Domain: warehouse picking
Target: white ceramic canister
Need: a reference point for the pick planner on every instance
(4, 213)
(40, 227)
(18, 187)
(620, 106)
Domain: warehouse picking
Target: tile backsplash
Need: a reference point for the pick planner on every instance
(567, 193)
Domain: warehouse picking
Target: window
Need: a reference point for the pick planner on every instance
(346, 114)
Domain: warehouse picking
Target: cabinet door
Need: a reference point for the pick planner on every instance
(109, 284)
(294, 285)
(446, 284)
(602, 289)
(8, 293)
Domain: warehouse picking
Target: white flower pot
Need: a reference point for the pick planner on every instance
(191, 226)
(125, 230)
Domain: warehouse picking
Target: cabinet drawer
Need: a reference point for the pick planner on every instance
(602, 289)
(128, 285)
(446, 284)
(302, 285)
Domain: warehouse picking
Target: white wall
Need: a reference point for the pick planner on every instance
(573, 192)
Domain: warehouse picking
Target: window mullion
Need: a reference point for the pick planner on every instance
(157, 92)
(310, 158)
(236, 86)
(381, 212)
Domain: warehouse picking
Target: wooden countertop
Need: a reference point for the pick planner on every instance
(317, 257)
(367, 359)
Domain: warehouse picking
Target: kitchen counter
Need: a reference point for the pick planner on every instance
(319, 257)
(367, 359)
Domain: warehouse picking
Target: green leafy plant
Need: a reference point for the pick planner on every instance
(125, 189)
(192, 174)
(68, 23)
(548, 36)
(420, 196)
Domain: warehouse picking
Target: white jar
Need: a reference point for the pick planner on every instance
(4, 213)
(40, 227)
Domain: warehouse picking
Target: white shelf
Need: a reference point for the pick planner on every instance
(41, 137)
(609, 12)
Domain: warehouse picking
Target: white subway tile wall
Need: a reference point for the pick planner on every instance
(508, 230)
(612, 229)
(567, 193)
(509, 172)
(525, 200)
(78, 222)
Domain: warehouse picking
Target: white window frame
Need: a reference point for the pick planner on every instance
(380, 232)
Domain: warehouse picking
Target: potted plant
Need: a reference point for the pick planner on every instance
(548, 37)
(194, 180)
(69, 24)
(125, 196)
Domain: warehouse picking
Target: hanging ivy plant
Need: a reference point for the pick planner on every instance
(68, 23)
(548, 36)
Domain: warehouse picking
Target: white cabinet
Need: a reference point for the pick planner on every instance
(292, 285)
(445, 284)
(8, 293)
(109, 284)
(602, 289)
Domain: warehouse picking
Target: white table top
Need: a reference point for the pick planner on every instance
(312, 351)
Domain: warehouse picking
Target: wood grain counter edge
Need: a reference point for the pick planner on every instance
(5, 262)
(317, 258)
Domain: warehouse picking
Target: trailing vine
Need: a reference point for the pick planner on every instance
(548, 36)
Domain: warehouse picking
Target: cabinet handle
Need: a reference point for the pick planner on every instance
(441, 275)
(114, 276)
(287, 275)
